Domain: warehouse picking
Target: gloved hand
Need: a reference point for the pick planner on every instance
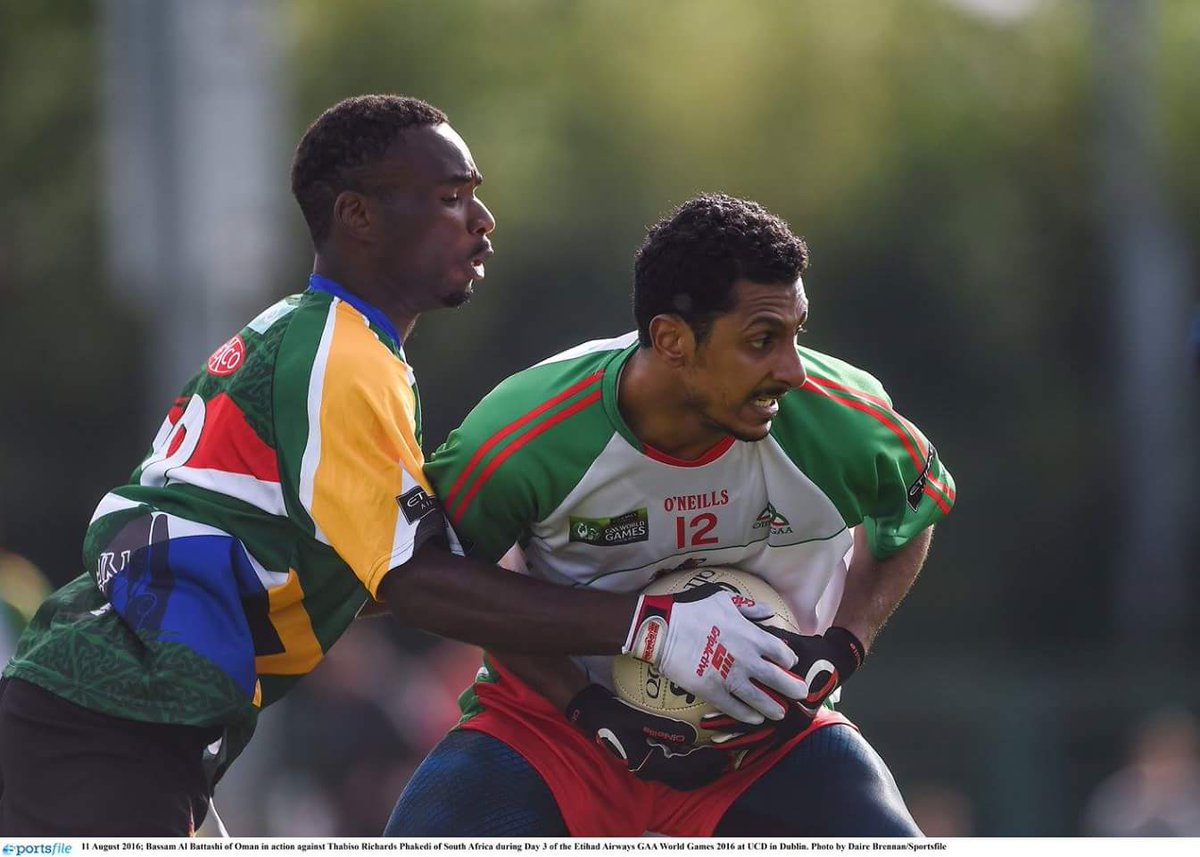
(738, 738)
(655, 748)
(825, 660)
(704, 639)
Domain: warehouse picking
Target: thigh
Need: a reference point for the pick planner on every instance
(70, 771)
(832, 784)
(472, 784)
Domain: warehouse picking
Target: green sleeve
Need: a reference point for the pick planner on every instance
(874, 465)
(520, 452)
(490, 506)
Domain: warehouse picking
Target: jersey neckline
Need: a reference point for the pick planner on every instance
(373, 314)
(609, 386)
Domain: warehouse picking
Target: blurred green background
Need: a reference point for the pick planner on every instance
(1000, 198)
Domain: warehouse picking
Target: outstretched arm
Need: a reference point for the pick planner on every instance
(477, 602)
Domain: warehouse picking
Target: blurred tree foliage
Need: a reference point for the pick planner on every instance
(938, 162)
(70, 374)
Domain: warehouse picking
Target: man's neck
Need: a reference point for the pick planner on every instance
(358, 278)
(655, 406)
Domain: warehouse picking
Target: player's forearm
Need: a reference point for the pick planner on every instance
(874, 588)
(555, 677)
(480, 603)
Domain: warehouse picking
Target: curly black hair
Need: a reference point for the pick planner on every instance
(351, 133)
(690, 259)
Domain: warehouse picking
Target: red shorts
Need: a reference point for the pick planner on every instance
(596, 794)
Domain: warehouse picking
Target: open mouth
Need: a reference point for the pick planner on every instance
(767, 406)
(484, 253)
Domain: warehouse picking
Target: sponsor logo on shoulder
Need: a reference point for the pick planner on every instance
(608, 532)
(917, 490)
(416, 504)
(228, 358)
(770, 517)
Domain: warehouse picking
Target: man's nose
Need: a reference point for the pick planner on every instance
(483, 222)
(791, 369)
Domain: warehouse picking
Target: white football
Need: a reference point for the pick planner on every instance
(641, 685)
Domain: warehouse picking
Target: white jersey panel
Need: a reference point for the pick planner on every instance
(631, 516)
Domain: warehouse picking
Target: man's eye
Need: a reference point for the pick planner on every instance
(762, 342)
(453, 198)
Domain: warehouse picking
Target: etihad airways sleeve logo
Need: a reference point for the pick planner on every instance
(416, 504)
(607, 532)
(917, 489)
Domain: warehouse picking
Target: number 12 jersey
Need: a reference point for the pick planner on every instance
(546, 462)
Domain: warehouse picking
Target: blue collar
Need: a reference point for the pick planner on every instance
(373, 313)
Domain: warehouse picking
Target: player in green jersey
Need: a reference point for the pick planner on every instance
(283, 491)
(708, 437)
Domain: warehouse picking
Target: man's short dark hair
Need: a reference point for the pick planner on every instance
(691, 258)
(351, 133)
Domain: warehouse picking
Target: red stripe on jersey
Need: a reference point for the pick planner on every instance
(229, 444)
(712, 454)
(891, 426)
(883, 403)
(512, 427)
(535, 431)
(176, 441)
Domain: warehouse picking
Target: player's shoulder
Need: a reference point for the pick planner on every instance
(552, 385)
(841, 410)
(331, 336)
(538, 427)
(833, 373)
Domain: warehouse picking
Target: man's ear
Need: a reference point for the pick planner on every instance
(352, 214)
(672, 340)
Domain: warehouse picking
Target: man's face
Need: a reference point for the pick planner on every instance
(749, 359)
(431, 228)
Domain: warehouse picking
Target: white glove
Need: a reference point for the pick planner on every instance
(704, 639)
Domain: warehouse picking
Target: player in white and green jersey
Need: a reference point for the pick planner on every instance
(707, 437)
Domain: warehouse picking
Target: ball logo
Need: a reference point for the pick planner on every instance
(228, 358)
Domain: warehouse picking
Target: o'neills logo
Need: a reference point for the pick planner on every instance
(670, 737)
(228, 358)
(649, 637)
(706, 656)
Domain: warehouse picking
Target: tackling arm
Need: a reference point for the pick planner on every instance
(479, 603)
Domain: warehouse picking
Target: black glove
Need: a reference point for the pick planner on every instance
(655, 748)
(738, 739)
(825, 662)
